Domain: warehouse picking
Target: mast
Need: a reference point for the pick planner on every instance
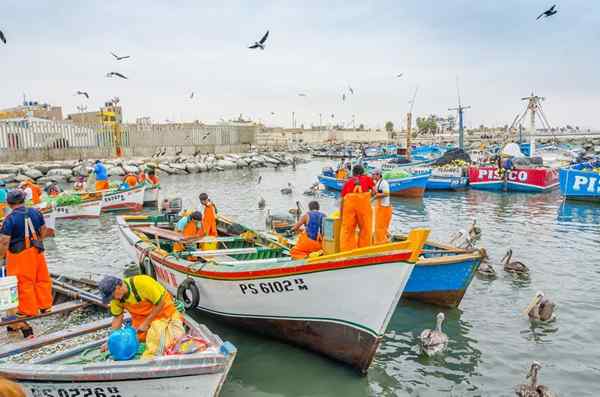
(534, 107)
(461, 126)
(409, 124)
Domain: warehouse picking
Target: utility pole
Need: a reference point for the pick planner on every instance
(461, 126)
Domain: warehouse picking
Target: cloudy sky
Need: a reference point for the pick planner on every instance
(497, 49)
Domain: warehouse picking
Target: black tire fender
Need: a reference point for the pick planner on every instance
(189, 294)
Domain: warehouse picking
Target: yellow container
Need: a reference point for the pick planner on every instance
(331, 233)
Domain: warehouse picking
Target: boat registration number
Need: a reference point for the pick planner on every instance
(116, 197)
(274, 287)
(109, 391)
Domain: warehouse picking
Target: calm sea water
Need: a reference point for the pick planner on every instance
(491, 342)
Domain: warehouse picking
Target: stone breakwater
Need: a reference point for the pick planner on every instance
(70, 170)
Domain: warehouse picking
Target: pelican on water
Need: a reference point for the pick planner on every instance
(434, 341)
(485, 268)
(533, 389)
(540, 308)
(262, 203)
(514, 266)
(287, 190)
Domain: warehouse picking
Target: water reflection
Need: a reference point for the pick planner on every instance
(582, 213)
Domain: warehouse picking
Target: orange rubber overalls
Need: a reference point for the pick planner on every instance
(142, 308)
(141, 178)
(34, 285)
(341, 174)
(153, 179)
(383, 217)
(36, 192)
(131, 180)
(102, 185)
(209, 220)
(190, 230)
(356, 211)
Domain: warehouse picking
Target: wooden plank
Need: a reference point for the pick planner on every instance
(157, 231)
(61, 308)
(232, 251)
(30, 344)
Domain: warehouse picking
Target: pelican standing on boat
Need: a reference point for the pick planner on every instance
(533, 389)
(540, 308)
(434, 341)
(515, 267)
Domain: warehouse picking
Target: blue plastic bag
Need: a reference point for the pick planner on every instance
(123, 344)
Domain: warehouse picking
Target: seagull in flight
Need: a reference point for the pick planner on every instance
(548, 13)
(115, 74)
(272, 113)
(301, 94)
(260, 44)
(344, 96)
(192, 95)
(2, 37)
(399, 75)
(118, 58)
(351, 90)
(85, 94)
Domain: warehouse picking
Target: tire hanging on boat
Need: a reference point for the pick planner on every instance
(188, 293)
(146, 266)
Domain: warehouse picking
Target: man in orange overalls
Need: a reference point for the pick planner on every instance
(383, 209)
(311, 238)
(356, 211)
(209, 219)
(130, 179)
(21, 242)
(142, 297)
(193, 228)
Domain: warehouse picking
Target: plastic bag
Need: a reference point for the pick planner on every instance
(162, 335)
(187, 345)
(123, 344)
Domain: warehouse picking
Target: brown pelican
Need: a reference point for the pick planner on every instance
(540, 308)
(287, 190)
(533, 389)
(296, 211)
(434, 341)
(474, 231)
(515, 266)
(262, 203)
(485, 269)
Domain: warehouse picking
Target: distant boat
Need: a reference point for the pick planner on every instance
(581, 181)
(411, 186)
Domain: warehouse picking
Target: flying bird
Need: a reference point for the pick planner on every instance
(272, 113)
(260, 44)
(301, 94)
(118, 58)
(2, 37)
(351, 90)
(85, 94)
(399, 75)
(548, 13)
(343, 96)
(115, 74)
(192, 95)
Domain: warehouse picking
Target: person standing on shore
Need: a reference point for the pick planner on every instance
(356, 210)
(101, 176)
(383, 208)
(21, 242)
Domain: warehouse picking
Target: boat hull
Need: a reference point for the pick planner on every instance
(151, 195)
(447, 183)
(579, 185)
(124, 200)
(442, 281)
(313, 305)
(413, 186)
(91, 209)
(528, 180)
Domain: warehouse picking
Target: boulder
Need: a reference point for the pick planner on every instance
(60, 171)
(241, 163)
(82, 170)
(177, 166)
(33, 173)
(131, 168)
(166, 168)
(115, 171)
(225, 164)
(178, 171)
(9, 169)
(192, 168)
(204, 167)
(45, 179)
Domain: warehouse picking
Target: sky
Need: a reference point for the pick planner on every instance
(496, 49)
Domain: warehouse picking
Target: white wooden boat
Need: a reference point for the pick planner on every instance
(63, 374)
(87, 209)
(151, 195)
(338, 305)
(119, 200)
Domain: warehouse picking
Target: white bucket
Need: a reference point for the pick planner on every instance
(9, 298)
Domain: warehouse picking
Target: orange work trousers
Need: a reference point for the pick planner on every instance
(102, 185)
(357, 211)
(34, 285)
(305, 246)
(383, 217)
(139, 311)
(209, 221)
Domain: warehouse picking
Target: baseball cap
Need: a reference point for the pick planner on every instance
(107, 287)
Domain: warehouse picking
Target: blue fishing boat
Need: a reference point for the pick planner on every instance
(411, 186)
(442, 274)
(437, 182)
(581, 181)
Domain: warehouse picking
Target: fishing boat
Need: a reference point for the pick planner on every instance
(517, 179)
(121, 200)
(70, 372)
(88, 208)
(252, 282)
(581, 181)
(151, 195)
(410, 186)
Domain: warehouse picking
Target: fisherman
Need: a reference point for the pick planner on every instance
(3, 194)
(383, 208)
(21, 243)
(52, 189)
(152, 178)
(101, 176)
(209, 219)
(356, 211)
(142, 297)
(32, 191)
(25, 188)
(341, 172)
(310, 240)
(79, 185)
(190, 226)
(130, 179)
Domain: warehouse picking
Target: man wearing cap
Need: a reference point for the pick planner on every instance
(383, 208)
(21, 242)
(142, 297)
(101, 176)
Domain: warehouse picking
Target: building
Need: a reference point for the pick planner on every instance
(109, 114)
(32, 109)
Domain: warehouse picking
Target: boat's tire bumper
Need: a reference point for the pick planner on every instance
(188, 293)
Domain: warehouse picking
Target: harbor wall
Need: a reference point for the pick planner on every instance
(26, 140)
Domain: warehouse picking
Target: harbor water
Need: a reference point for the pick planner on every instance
(492, 343)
